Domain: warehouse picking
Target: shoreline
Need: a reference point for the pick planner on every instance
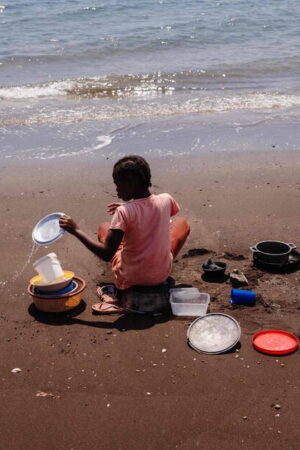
(160, 137)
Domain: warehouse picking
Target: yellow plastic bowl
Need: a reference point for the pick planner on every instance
(58, 303)
(56, 285)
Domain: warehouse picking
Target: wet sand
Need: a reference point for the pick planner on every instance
(123, 382)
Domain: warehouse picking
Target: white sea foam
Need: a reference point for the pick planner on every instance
(55, 89)
(104, 141)
(176, 105)
(71, 110)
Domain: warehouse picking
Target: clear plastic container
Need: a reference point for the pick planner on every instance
(183, 289)
(188, 302)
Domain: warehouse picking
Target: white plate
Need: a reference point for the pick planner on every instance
(214, 333)
(47, 230)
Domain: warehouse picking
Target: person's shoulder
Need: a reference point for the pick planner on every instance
(122, 210)
(128, 208)
(169, 202)
(165, 196)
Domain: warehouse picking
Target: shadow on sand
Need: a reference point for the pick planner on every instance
(129, 321)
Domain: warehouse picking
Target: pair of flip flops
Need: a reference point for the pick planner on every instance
(109, 303)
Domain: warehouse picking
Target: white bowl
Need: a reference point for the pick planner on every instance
(55, 285)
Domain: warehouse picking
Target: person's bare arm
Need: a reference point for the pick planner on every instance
(104, 250)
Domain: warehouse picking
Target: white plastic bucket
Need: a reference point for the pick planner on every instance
(49, 268)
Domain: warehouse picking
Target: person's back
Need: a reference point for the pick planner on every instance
(145, 257)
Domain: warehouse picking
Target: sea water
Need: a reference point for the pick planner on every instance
(164, 76)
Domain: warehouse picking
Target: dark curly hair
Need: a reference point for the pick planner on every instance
(133, 167)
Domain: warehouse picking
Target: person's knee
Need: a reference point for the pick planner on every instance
(102, 231)
(187, 226)
(179, 231)
(183, 225)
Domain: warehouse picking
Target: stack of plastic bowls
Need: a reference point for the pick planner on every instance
(55, 289)
(58, 300)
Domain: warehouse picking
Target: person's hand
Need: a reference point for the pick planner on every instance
(68, 224)
(111, 208)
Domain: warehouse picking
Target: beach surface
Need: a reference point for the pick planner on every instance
(129, 381)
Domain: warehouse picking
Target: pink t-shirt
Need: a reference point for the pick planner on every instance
(144, 257)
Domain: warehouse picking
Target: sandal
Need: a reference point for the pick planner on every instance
(107, 294)
(107, 308)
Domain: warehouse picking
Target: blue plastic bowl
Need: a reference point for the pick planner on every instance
(68, 289)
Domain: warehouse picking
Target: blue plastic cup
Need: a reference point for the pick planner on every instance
(242, 297)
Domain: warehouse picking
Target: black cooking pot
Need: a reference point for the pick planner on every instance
(216, 273)
(275, 252)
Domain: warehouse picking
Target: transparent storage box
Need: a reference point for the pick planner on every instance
(188, 302)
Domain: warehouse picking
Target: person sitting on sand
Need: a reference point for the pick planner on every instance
(141, 240)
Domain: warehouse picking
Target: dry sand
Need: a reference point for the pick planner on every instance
(91, 382)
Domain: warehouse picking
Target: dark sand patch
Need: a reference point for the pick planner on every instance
(133, 382)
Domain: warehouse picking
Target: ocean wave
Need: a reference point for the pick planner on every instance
(114, 86)
(144, 85)
(34, 91)
(175, 105)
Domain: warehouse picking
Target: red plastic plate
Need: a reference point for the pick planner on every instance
(275, 342)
